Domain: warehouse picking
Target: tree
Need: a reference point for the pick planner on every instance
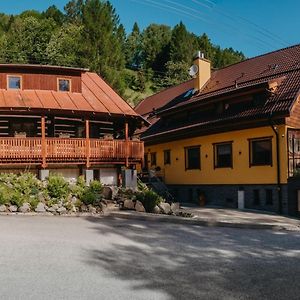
(65, 46)
(176, 73)
(73, 10)
(155, 46)
(54, 13)
(102, 42)
(183, 44)
(206, 46)
(28, 39)
(133, 48)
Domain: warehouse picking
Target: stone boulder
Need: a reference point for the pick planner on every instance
(107, 193)
(165, 208)
(25, 208)
(175, 207)
(139, 207)
(52, 209)
(40, 208)
(156, 210)
(2, 208)
(83, 208)
(92, 209)
(12, 208)
(128, 204)
(62, 210)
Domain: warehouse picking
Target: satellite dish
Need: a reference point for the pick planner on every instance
(193, 70)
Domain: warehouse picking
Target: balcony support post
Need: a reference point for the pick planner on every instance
(126, 145)
(88, 146)
(44, 145)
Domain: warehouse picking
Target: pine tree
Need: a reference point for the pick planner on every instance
(133, 48)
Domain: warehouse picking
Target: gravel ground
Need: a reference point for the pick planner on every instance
(106, 258)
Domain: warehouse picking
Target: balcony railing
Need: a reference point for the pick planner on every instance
(69, 150)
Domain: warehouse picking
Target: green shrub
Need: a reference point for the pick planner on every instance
(149, 199)
(58, 187)
(33, 202)
(96, 186)
(78, 189)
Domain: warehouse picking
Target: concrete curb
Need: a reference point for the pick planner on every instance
(199, 222)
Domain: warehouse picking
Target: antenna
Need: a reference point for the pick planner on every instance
(194, 69)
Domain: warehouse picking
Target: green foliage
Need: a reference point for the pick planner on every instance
(58, 187)
(96, 186)
(18, 189)
(149, 199)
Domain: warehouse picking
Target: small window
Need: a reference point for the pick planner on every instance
(153, 159)
(261, 152)
(64, 85)
(167, 157)
(14, 82)
(223, 155)
(256, 197)
(269, 197)
(192, 158)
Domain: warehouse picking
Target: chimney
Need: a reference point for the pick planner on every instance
(204, 70)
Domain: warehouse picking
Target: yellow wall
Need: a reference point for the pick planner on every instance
(241, 173)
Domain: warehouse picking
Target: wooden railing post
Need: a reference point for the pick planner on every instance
(126, 145)
(88, 145)
(44, 146)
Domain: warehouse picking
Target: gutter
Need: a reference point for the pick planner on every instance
(278, 169)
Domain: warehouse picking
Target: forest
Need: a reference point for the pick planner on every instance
(89, 34)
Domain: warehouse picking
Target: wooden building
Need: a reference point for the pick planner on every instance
(229, 132)
(65, 120)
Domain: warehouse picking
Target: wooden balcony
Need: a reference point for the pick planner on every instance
(14, 151)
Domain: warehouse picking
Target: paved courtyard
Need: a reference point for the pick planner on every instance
(106, 258)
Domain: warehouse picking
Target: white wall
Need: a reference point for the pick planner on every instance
(109, 176)
(70, 175)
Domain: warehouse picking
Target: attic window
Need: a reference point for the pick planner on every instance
(64, 85)
(14, 82)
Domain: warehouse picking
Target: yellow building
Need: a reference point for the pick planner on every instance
(230, 132)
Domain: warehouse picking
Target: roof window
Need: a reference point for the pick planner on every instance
(64, 85)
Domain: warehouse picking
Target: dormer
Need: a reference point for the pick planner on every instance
(36, 77)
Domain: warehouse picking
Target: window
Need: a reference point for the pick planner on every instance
(256, 197)
(192, 158)
(14, 82)
(269, 197)
(260, 152)
(223, 155)
(153, 159)
(167, 157)
(64, 85)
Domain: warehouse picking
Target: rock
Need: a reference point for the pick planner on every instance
(107, 193)
(175, 207)
(156, 210)
(73, 209)
(165, 208)
(139, 207)
(52, 209)
(40, 208)
(25, 208)
(83, 208)
(74, 199)
(12, 208)
(2, 208)
(128, 204)
(92, 209)
(61, 210)
(41, 197)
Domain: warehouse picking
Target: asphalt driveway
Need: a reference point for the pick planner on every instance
(105, 258)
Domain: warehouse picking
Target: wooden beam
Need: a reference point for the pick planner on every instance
(88, 144)
(44, 146)
(126, 144)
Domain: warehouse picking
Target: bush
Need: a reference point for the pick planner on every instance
(92, 194)
(58, 187)
(149, 199)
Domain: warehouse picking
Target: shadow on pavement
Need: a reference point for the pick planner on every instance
(193, 262)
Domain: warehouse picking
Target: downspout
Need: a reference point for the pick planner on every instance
(279, 190)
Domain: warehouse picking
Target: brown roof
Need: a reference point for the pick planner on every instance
(160, 99)
(282, 66)
(96, 97)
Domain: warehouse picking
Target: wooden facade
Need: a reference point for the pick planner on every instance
(39, 127)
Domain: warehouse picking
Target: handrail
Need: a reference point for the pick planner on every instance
(60, 150)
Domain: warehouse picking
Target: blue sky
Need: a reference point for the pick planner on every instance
(254, 27)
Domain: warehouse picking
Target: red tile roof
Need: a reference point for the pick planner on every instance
(96, 97)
